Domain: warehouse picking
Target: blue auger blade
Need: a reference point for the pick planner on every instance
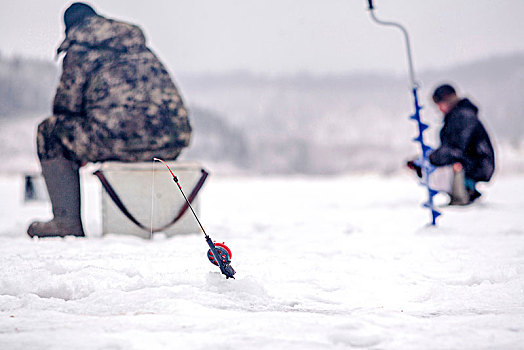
(423, 183)
(424, 162)
(426, 148)
(418, 139)
(430, 169)
(427, 205)
(434, 214)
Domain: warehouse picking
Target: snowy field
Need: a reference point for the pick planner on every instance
(322, 263)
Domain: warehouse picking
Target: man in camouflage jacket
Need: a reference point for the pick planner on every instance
(115, 101)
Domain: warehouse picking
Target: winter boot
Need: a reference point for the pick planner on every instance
(473, 194)
(472, 191)
(459, 194)
(63, 185)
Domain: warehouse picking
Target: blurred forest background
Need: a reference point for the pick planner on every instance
(293, 124)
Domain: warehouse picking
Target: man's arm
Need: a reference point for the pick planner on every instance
(69, 97)
(455, 140)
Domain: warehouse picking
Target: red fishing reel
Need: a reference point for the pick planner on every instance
(223, 251)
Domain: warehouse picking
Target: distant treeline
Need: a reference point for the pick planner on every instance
(26, 85)
(305, 123)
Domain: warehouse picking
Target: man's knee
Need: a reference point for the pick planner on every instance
(48, 144)
(46, 127)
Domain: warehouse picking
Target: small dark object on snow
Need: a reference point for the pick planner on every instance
(415, 167)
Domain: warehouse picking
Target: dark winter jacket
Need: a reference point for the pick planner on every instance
(464, 140)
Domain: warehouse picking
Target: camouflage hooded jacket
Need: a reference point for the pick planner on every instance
(119, 90)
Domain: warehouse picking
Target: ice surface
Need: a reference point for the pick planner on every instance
(322, 263)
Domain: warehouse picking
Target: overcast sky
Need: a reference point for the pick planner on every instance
(286, 36)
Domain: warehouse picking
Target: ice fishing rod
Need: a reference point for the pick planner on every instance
(423, 161)
(219, 254)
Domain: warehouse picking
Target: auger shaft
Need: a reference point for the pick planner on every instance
(424, 162)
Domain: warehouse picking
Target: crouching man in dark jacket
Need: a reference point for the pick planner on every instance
(465, 146)
(115, 101)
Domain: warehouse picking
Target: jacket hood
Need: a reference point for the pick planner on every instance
(98, 32)
(466, 104)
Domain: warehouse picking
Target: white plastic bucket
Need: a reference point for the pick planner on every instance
(151, 196)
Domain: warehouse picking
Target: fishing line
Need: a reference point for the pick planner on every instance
(152, 197)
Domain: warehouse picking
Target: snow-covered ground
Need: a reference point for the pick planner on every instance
(322, 263)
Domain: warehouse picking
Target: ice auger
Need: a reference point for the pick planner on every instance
(423, 161)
